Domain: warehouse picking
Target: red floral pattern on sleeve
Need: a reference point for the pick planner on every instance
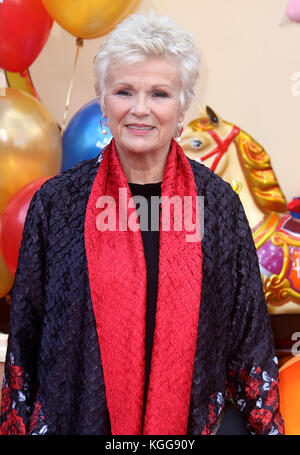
(5, 399)
(35, 416)
(260, 419)
(273, 395)
(16, 414)
(255, 393)
(13, 425)
(37, 423)
(215, 409)
(16, 377)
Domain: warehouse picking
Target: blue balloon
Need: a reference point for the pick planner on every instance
(83, 138)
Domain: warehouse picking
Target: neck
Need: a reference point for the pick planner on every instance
(143, 167)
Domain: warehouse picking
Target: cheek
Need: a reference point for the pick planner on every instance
(166, 117)
(169, 115)
(116, 110)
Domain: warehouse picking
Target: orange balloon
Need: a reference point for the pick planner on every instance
(289, 389)
(89, 18)
(30, 142)
(6, 278)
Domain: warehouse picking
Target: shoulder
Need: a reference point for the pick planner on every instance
(70, 185)
(224, 219)
(215, 190)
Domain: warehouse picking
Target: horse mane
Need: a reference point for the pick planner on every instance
(260, 174)
(256, 165)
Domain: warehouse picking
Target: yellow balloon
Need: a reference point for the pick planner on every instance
(6, 278)
(89, 18)
(30, 142)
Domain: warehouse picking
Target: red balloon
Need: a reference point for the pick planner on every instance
(12, 222)
(24, 30)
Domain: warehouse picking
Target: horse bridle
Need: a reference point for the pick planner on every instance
(222, 146)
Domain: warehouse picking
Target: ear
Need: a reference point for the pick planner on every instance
(212, 115)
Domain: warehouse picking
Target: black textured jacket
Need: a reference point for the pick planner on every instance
(53, 379)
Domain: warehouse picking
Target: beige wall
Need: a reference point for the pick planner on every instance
(248, 61)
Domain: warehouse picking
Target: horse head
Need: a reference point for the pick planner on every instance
(207, 138)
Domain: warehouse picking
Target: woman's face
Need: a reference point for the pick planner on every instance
(142, 105)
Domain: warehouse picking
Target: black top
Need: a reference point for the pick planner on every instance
(149, 223)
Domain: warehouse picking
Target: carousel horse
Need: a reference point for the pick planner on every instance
(234, 155)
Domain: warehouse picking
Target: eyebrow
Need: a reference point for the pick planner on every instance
(126, 84)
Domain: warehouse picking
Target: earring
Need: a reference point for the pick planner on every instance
(179, 131)
(103, 130)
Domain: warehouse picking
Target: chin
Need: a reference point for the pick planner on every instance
(138, 146)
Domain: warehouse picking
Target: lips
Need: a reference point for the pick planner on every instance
(140, 127)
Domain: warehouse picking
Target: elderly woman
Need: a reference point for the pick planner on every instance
(126, 318)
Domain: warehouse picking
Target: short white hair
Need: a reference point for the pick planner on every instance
(142, 36)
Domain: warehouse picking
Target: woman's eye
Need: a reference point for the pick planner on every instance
(123, 92)
(160, 94)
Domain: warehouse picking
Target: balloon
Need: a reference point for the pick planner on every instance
(289, 390)
(89, 18)
(83, 138)
(293, 10)
(12, 222)
(30, 142)
(24, 30)
(6, 278)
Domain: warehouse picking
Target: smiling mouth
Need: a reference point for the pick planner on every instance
(140, 127)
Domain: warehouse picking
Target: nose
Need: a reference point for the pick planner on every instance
(140, 105)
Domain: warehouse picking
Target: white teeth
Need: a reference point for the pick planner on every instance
(135, 127)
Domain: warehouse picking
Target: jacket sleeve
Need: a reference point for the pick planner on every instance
(252, 370)
(20, 408)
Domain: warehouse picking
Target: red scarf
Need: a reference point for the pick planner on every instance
(118, 277)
